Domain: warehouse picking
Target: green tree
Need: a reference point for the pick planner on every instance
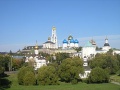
(22, 72)
(5, 62)
(105, 61)
(118, 58)
(61, 56)
(98, 75)
(47, 76)
(70, 69)
(29, 78)
(78, 49)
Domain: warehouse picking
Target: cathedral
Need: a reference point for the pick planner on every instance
(70, 43)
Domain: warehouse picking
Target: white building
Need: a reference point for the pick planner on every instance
(36, 59)
(88, 50)
(52, 42)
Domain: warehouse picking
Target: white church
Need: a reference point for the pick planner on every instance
(37, 60)
(70, 43)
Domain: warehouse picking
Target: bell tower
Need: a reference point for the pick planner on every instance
(54, 37)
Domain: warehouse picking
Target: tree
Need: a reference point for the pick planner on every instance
(5, 62)
(61, 56)
(118, 58)
(98, 75)
(105, 61)
(70, 69)
(22, 72)
(78, 49)
(29, 78)
(47, 76)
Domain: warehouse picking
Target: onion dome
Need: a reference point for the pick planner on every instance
(76, 41)
(53, 28)
(70, 37)
(92, 42)
(106, 42)
(49, 39)
(88, 44)
(72, 41)
(65, 41)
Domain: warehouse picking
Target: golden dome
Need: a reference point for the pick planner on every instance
(53, 28)
(36, 46)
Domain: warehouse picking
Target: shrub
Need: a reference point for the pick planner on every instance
(98, 75)
(29, 78)
(47, 76)
(22, 73)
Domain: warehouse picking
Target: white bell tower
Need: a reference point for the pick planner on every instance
(54, 37)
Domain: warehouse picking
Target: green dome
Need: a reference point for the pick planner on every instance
(88, 44)
(70, 37)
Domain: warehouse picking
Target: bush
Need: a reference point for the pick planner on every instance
(47, 76)
(22, 73)
(74, 81)
(98, 75)
(29, 78)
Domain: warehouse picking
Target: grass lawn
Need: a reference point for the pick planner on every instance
(115, 78)
(62, 86)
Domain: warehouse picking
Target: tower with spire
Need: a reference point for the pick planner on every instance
(54, 37)
(106, 46)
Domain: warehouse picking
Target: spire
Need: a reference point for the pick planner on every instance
(106, 40)
(36, 46)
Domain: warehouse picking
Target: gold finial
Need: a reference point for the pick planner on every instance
(36, 46)
(53, 28)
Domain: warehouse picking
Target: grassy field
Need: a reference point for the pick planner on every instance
(115, 78)
(62, 86)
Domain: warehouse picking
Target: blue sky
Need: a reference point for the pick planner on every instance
(22, 22)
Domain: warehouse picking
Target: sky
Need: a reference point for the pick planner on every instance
(22, 22)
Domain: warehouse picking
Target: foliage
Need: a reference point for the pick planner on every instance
(47, 76)
(78, 49)
(17, 63)
(22, 72)
(61, 56)
(98, 75)
(105, 61)
(69, 70)
(62, 86)
(29, 78)
(118, 58)
(1, 70)
(5, 62)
